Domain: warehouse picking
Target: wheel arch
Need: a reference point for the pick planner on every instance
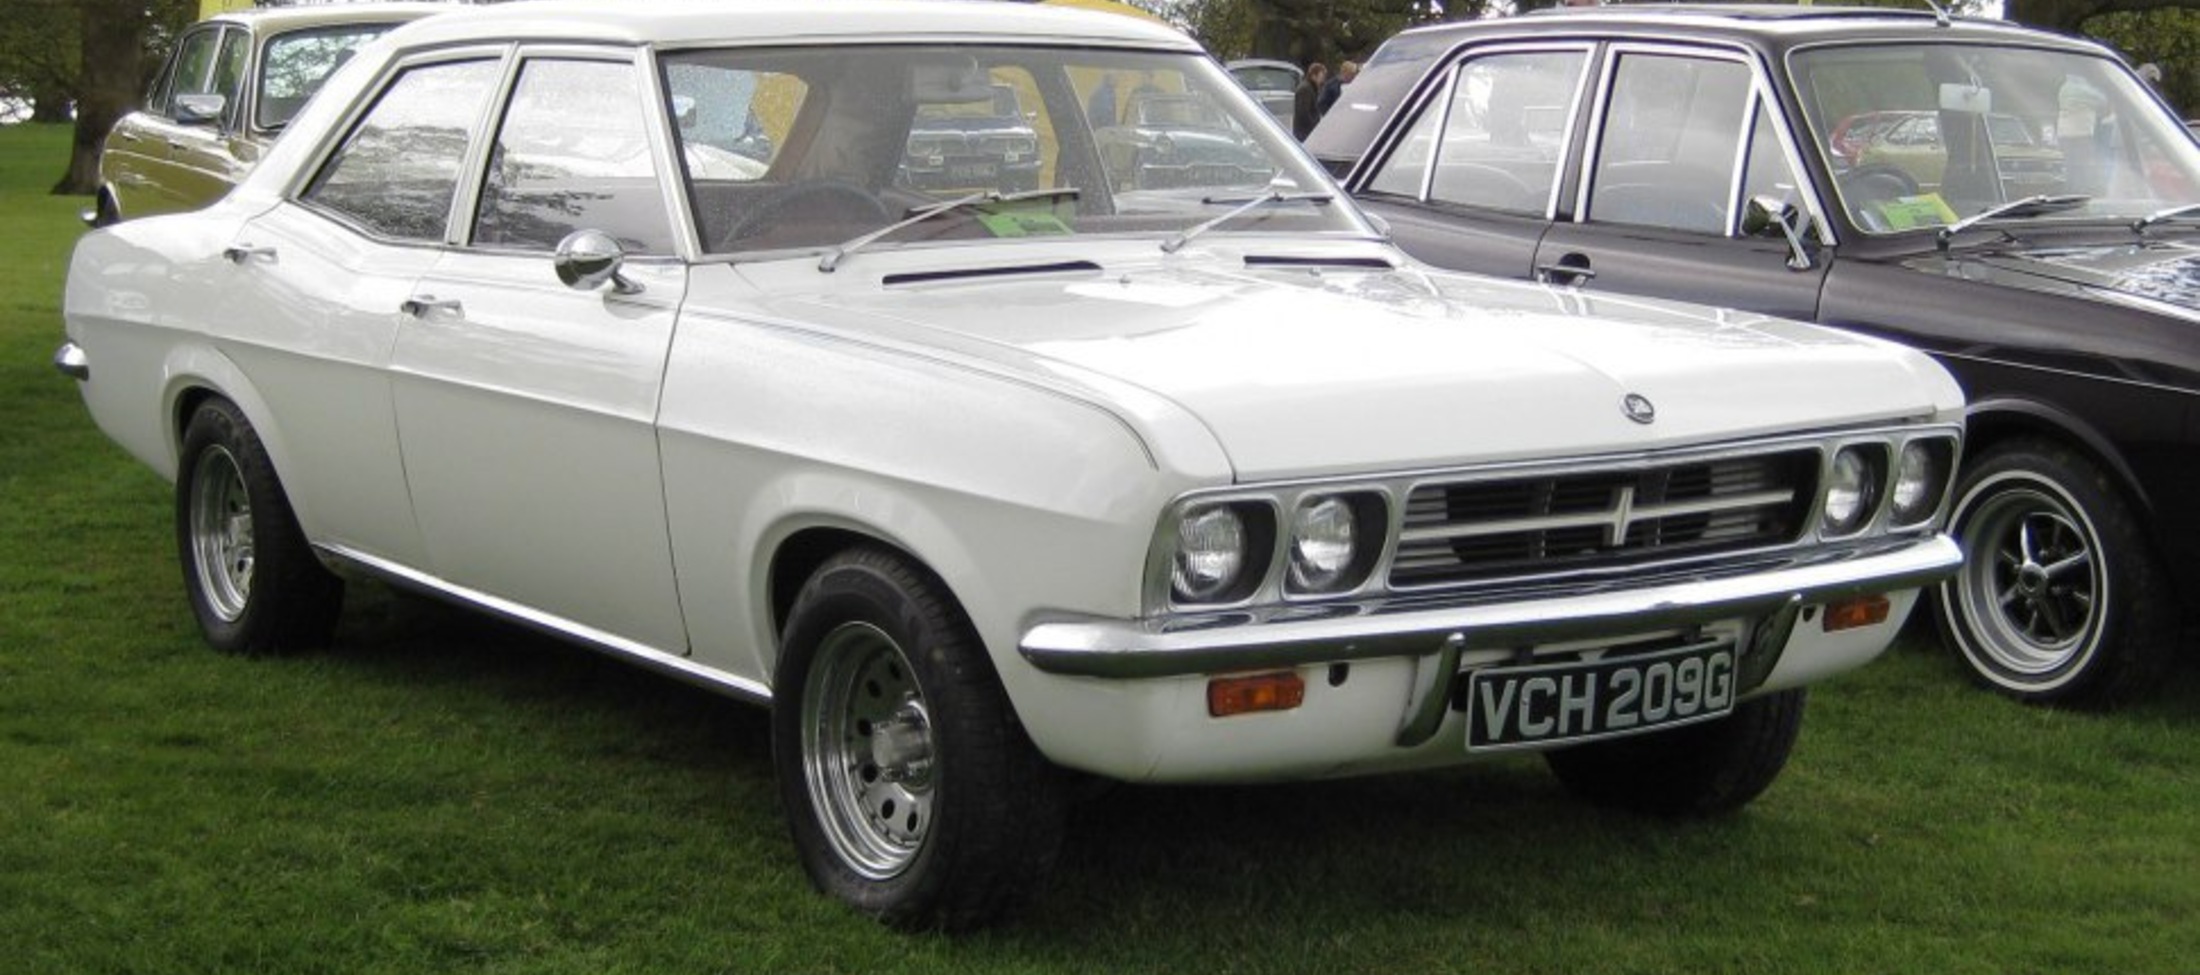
(1999, 419)
(196, 374)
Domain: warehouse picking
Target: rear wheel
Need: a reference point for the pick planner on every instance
(1700, 769)
(912, 791)
(254, 583)
(2060, 599)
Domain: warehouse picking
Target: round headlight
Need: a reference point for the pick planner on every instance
(1849, 492)
(1210, 553)
(1322, 544)
(1916, 483)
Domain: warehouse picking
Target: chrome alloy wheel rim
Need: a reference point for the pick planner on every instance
(221, 533)
(2033, 586)
(867, 751)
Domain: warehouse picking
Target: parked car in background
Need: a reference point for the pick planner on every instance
(1272, 82)
(983, 140)
(1174, 140)
(230, 86)
(1192, 483)
(2013, 201)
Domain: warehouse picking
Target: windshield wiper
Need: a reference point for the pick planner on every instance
(2140, 225)
(2031, 206)
(1244, 205)
(833, 257)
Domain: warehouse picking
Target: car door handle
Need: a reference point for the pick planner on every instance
(242, 253)
(422, 306)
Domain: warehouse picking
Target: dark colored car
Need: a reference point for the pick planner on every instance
(1271, 82)
(984, 143)
(2038, 231)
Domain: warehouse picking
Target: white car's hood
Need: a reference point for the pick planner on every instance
(1300, 372)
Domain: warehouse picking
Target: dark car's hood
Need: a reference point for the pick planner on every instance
(2154, 273)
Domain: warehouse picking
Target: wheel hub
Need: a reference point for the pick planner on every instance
(901, 745)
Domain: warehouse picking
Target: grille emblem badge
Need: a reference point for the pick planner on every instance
(1638, 408)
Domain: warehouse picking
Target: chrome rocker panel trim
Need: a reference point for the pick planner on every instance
(1131, 649)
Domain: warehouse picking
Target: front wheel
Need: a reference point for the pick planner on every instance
(253, 581)
(1701, 769)
(912, 792)
(2060, 599)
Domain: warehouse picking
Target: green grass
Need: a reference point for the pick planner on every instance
(440, 794)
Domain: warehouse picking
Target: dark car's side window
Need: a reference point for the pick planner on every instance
(229, 74)
(1670, 140)
(397, 171)
(572, 154)
(187, 72)
(1504, 134)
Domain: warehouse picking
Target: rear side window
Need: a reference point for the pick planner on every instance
(398, 170)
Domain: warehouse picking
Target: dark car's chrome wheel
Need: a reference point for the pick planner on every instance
(2059, 598)
(254, 583)
(867, 750)
(910, 787)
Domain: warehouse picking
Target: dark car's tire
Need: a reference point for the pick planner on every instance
(2060, 599)
(1696, 770)
(912, 792)
(254, 583)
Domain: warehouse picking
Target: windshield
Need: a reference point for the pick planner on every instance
(1920, 136)
(802, 148)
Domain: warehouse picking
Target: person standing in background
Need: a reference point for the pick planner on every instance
(1334, 89)
(1306, 100)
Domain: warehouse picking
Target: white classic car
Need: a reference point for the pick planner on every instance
(1200, 483)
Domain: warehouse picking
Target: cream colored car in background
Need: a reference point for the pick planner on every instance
(232, 83)
(1188, 484)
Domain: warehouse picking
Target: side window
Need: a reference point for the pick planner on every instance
(1670, 141)
(229, 72)
(1768, 172)
(398, 170)
(573, 154)
(1502, 142)
(193, 65)
(1503, 135)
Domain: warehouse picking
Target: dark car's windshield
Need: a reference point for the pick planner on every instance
(295, 64)
(1924, 135)
(794, 148)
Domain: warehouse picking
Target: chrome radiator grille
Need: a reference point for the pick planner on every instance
(1470, 531)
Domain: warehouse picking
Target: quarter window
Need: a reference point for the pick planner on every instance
(573, 154)
(1670, 141)
(398, 170)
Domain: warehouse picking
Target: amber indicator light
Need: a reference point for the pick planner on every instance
(1861, 611)
(1261, 692)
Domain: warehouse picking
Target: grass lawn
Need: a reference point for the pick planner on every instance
(440, 794)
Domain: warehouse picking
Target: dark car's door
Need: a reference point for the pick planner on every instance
(1682, 142)
(1472, 179)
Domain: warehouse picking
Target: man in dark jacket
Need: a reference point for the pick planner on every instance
(1306, 98)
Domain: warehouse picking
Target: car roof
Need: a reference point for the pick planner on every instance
(1780, 24)
(688, 23)
(275, 20)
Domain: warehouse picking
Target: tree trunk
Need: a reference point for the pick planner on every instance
(114, 46)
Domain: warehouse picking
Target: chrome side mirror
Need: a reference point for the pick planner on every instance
(1767, 212)
(199, 109)
(587, 259)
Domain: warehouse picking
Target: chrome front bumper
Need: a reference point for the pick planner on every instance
(72, 362)
(1175, 647)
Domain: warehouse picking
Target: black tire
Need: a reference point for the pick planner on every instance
(254, 584)
(1701, 769)
(2061, 599)
(912, 792)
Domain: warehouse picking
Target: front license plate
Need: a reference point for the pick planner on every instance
(972, 171)
(1519, 707)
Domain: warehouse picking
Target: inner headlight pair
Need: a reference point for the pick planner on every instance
(1859, 476)
(1224, 549)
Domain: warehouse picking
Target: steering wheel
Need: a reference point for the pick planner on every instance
(856, 204)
